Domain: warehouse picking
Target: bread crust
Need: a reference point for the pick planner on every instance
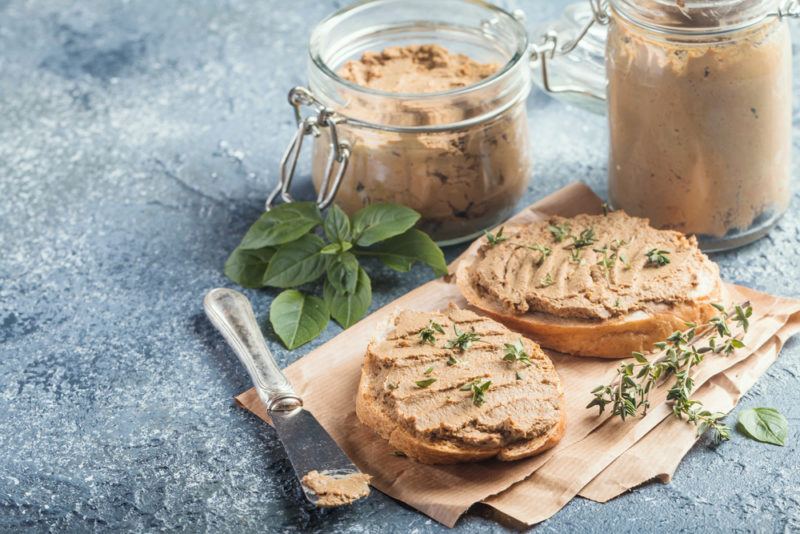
(613, 338)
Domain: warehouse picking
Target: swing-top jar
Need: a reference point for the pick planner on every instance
(459, 155)
(699, 111)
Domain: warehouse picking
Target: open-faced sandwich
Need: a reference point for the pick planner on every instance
(456, 387)
(592, 285)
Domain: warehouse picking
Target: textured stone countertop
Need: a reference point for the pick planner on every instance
(137, 142)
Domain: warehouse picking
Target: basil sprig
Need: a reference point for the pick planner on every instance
(293, 244)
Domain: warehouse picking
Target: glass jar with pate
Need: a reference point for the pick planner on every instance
(446, 133)
(699, 101)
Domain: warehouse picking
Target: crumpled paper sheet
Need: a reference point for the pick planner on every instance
(533, 489)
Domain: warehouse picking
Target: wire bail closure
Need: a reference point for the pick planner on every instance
(313, 124)
(549, 48)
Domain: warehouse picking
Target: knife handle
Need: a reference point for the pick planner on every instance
(231, 313)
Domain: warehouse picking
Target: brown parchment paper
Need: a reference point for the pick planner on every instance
(327, 379)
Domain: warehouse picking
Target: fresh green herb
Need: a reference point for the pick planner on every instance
(629, 392)
(298, 318)
(547, 281)
(452, 360)
(575, 256)
(292, 245)
(543, 250)
(495, 239)
(617, 244)
(479, 392)
(657, 258)
(463, 340)
(429, 370)
(607, 260)
(515, 352)
(466, 386)
(518, 375)
(428, 334)
(247, 267)
(559, 231)
(766, 425)
(585, 239)
(422, 384)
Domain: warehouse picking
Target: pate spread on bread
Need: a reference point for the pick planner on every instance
(427, 393)
(593, 285)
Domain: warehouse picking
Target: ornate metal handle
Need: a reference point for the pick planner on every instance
(231, 313)
(550, 47)
(312, 125)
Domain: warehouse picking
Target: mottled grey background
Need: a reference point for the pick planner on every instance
(137, 142)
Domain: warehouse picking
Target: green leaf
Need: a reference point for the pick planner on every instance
(402, 251)
(298, 318)
(378, 222)
(766, 425)
(343, 273)
(296, 263)
(282, 224)
(348, 309)
(247, 267)
(337, 224)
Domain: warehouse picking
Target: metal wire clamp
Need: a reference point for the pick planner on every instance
(339, 153)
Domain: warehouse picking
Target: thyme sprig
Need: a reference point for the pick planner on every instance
(657, 258)
(559, 231)
(629, 392)
(478, 390)
(495, 239)
(544, 250)
(463, 340)
(428, 334)
(584, 239)
(515, 352)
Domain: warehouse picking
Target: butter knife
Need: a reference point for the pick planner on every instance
(307, 444)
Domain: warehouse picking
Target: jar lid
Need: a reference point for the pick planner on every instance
(694, 16)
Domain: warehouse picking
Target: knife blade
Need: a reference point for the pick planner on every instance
(308, 446)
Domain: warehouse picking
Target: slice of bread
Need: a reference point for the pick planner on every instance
(416, 391)
(609, 301)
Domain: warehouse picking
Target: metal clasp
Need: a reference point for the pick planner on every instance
(549, 48)
(789, 9)
(313, 124)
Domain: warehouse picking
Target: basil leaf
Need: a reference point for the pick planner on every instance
(296, 263)
(766, 425)
(247, 267)
(377, 222)
(337, 224)
(402, 251)
(348, 309)
(343, 273)
(298, 318)
(282, 224)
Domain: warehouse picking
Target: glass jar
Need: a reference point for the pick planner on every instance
(460, 157)
(699, 97)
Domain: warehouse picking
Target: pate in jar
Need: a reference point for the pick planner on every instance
(421, 104)
(700, 111)
(699, 102)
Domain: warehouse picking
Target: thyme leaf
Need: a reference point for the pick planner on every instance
(515, 352)
(495, 239)
(545, 251)
(657, 258)
(463, 340)
(428, 334)
(479, 392)
(422, 384)
(559, 231)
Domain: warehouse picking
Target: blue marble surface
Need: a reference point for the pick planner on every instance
(137, 142)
